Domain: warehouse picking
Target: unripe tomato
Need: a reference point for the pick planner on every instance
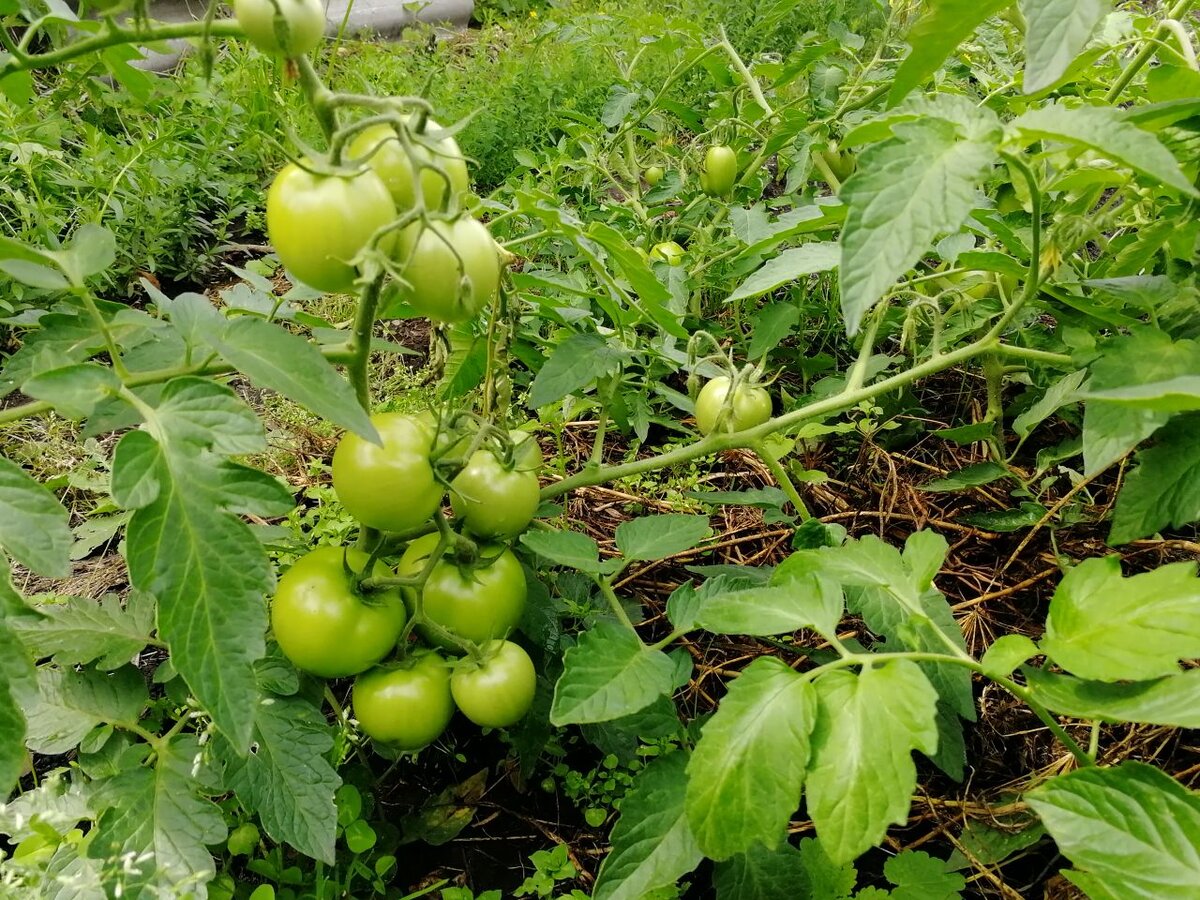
(841, 163)
(527, 453)
(498, 692)
(392, 487)
(494, 501)
(669, 252)
(479, 604)
(297, 30)
(451, 270)
(653, 175)
(319, 223)
(323, 625)
(719, 171)
(408, 706)
(751, 406)
(392, 164)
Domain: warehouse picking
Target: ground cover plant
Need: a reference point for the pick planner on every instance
(788, 463)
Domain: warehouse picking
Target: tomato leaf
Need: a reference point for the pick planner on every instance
(575, 364)
(68, 704)
(78, 630)
(609, 673)
(807, 601)
(1173, 701)
(750, 762)
(788, 266)
(16, 679)
(1056, 31)
(907, 190)
(1131, 830)
(919, 876)
(656, 537)
(652, 843)
(73, 390)
(1008, 652)
(1105, 130)
(33, 524)
(287, 778)
(161, 817)
(566, 548)
(1164, 490)
(945, 25)
(862, 775)
(784, 874)
(1106, 627)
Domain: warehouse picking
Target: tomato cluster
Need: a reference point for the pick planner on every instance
(341, 612)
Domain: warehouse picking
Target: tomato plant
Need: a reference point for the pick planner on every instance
(318, 224)
(324, 625)
(290, 27)
(479, 601)
(497, 692)
(450, 271)
(406, 706)
(494, 500)
(750, 406)
(391, 486)
(381, 146)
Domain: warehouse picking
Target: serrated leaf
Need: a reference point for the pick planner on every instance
(919, 876)
(906, 191)
(786, 873)
(68, 704)
(160, 821)
(654, 297)
(33, 524)
(788, 266)
(565, 548)
(1173, 701)
(280, 361)
(944, 25)
(656, 537)
(195, 414)
(862, 774)
(1105, 627)
(1164, 489)
(74, 390)
(574, 365)
(808, 601)
(56, 801)
(78, 630)
(1131, 828)
(652, 843)
(772, 324)
(1056, 31)
(749, 765)
(16, 677)
(1105, 130)
(286, 777)
(1008, 652)
(609, 673)
(1063, 391)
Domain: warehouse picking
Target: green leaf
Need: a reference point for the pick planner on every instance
(1006, 654)
(135, 470)
(280, 361)
(1180, 394)
(906, 192)
(57, 802)
(656, 537)
(650, 290)
(1173, 701)
(160, 819)
(652, 844)
(944, 25)
(609, 673)
(788, 266)
(75, 390)
(862, 774)
(1004, 521)
(1144, 356)
(749, 764)
(919, 876)
(965, 435)
(195, 414)
(969, 477)
(803, 601)
(767, 497)
(78, 630)
(16, 678)
(575, 364)
(69, 704)
(565, 548)
(33, 274)
(1106, 627)
(772, 324)
(1132, 829)
(1056, 31)
(1063, 391)
(1164, 489)
(286, 777)
(990, 845)
(1105, 130)
(786, 873)
(33, 525)
(92, 249)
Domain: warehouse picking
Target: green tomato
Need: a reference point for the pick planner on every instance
(527, 453)
(319, 223)
(653, 175)
(669, 252)
(297, 30)
(751, 406)
(323, 625)
(390, 487)
(494, 501)
(408, 706)
(498, 692)
(451, 271)
(719, 172)
(479, 604)
(841, 163)
(394, 165)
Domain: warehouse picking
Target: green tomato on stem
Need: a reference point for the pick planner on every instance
(450, 271)
(492, 500)
(290, 27)
(669, 252)
(751, 406)
(393, 164)
(719, 172)
(407, 706)
(497, 692)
